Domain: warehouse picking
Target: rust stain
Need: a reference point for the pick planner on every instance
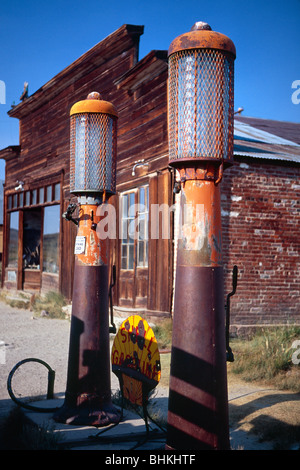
(202, 39)
(201, 223)
(95, 249)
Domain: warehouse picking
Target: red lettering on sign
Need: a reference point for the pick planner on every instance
(115, 357)
(124, 335)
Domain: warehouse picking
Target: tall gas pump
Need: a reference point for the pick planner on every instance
(93, 181)
(201, 75)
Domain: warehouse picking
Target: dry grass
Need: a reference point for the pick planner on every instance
(48, 305)
(51, 303)
(267, 357)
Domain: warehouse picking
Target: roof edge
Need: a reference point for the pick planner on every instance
(10, 152)
(155, 56)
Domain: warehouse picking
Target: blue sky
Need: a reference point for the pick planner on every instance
(39, 39)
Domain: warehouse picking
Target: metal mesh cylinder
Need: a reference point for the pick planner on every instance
(93, 153)
(201, 101)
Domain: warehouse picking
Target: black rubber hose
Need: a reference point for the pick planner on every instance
(51, 377)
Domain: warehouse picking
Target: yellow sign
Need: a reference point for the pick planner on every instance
(135, 358)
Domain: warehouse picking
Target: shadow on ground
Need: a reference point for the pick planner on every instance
(271, 418)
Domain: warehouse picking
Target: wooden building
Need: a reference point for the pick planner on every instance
(39, 243)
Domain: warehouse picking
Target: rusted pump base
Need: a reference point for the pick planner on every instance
(86, 416)
(88, 391)
(197, 413)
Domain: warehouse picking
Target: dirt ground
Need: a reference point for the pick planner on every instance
(261, 418)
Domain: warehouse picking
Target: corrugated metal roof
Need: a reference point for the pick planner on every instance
(254, 142)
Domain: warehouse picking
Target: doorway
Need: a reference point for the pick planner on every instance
(133, 278)
(31, 258)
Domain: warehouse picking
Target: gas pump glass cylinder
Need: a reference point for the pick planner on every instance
(201, 71)
(93, 146)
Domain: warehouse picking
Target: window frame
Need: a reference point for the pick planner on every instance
(136, 217)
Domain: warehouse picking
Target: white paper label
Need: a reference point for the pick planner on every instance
(79, 245)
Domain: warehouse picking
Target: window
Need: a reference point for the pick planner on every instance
(142, 215)
(33, 197)
(134, 228)
(51, 239)
(127, 236)
(32, 238)
(13, 240)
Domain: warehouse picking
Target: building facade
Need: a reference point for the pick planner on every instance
(260, 192)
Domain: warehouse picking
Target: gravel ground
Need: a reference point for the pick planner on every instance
(23, 335)
(26, 336)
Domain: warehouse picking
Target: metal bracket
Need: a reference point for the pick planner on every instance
(112, 328)
(229, 353)
(68, 214)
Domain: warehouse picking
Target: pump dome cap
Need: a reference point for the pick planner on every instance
(94, 104)
(201, 36)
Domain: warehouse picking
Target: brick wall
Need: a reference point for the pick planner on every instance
(261, 235)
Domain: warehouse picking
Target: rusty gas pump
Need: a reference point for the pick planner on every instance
(93, 181)
(201, 74)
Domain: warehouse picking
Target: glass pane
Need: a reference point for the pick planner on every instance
(21, 199)
(124, 257)
(15, 200)
(141, 254)
(124, 230)
(51, 239)
(131, 231)
(124, 262)
(142, 198)
(27, 198)
(9, 202)
(49, 193)
(41, 195)
(131, 210)
(146, 234)
(146, 253)
(142, 227)
(147, 198)
(57, 192)
(124, 205)
(124, 251)
(13, 240)
(130, 256)
(34, 197)
(32, 223)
